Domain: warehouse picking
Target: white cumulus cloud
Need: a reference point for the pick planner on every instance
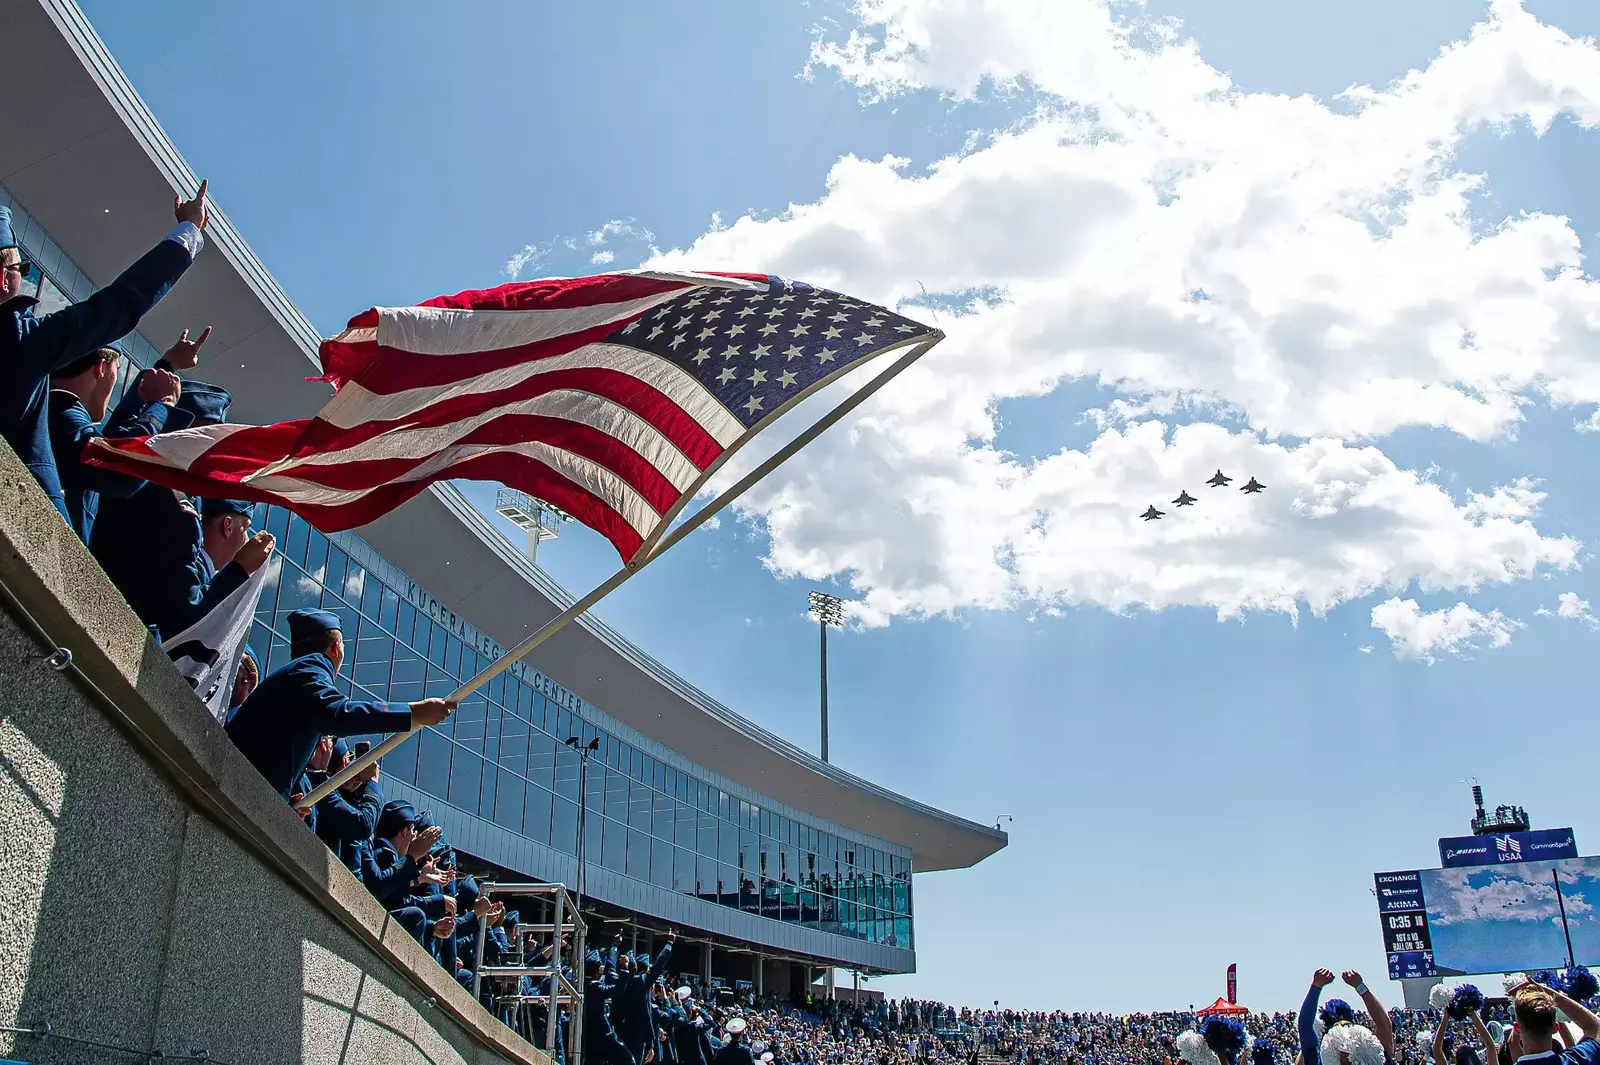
(1572, 607)
(1298, 278)
(1415, 633)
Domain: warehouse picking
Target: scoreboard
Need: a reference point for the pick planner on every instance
(1405, 924)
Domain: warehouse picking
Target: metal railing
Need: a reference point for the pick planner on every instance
(557, 989)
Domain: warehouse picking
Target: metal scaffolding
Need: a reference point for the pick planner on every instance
(555, 984)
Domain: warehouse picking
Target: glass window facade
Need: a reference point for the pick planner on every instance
(501, 758)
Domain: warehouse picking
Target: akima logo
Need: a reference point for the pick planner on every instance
(1508, 849)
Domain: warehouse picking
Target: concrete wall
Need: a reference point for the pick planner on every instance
(157, 895)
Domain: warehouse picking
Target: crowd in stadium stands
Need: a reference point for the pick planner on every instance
(175, 557)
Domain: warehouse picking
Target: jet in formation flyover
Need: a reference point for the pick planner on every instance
(1216, 480)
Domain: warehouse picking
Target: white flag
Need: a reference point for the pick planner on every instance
(207, 653)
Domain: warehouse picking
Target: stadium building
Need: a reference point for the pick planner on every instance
(773, 864)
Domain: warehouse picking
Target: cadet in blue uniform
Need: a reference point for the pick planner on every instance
(279, 725)
(688, 1031)
(392, 863)
(79, 396)
(152, 546)
(33, 348)
(348, 816)
(734, 1051)
(600, 1043)
(632, 1010)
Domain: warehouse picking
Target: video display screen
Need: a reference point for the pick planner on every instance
(1514, 917)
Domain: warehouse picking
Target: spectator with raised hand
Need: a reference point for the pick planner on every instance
(152, 545)
(1382, 1026)
(33, 348)
(348, 816)
(278, 727)
(390, 865)
(80, 394)
(1536, 1007)
(1330, 1034)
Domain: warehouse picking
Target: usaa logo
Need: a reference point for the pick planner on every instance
(1507, 849)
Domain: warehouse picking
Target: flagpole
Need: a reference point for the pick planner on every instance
(561, 620)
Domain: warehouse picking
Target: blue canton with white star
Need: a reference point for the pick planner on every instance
(756, 350)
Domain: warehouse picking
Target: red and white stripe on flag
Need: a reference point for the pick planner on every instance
(549, 387)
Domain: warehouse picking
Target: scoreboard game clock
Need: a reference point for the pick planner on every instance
(1406, 932)
(1404, 915)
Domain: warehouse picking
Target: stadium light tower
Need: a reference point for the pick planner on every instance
(538, 519)
(828, 610)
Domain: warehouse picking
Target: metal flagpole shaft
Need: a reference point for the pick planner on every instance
(561, 620)
(499, 665)
(1568, 931)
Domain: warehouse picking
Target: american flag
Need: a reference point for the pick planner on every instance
(613, 397)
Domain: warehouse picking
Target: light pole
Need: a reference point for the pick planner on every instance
(828, 610)
(584, 751)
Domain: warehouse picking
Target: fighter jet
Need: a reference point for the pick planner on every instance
(1152, 514)
(1252, 485)
(1184, 499)
(1219, 479)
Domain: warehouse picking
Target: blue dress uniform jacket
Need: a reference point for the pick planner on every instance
(346, 820)
(387, 873)
(632, 1012)
(153, 550)
(71, 429)
(734, 1052)
(688, 1040)
(277, 728)
(33, 348)
(600, 1042)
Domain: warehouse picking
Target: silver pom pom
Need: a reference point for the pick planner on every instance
(1439, 997)
(1425, 1039)
(1192, 1048)
(1355, 1042)
(1514, 980)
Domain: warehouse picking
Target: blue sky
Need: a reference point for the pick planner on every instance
(1187, 792)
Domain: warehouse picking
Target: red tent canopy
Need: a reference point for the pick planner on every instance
(1223, 1008)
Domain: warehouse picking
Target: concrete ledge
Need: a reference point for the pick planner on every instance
(53, 595)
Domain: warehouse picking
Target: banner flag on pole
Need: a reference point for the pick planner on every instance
(207, 653)
(1233, 984)
(614, 397)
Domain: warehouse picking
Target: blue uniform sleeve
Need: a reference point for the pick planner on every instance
(387, 884)
(71, 430)
(342, 817)
(1310, 1052)
(50, 343)
(200, 597)
(335, 715)
(659, 966)
(1585, 1052)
